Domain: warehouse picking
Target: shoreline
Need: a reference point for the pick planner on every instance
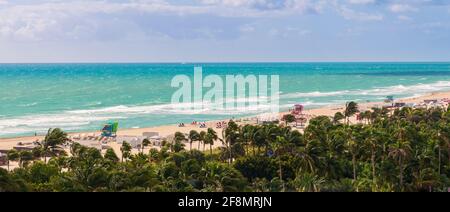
(167, 130)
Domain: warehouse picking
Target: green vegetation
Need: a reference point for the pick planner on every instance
(289, 118)
(407, 150)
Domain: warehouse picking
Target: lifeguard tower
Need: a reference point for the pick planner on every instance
(297, 111)
(391, 100)
(110, 129)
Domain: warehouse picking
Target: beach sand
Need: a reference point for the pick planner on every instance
(164, 131)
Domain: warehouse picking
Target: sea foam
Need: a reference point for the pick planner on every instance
(408, 91)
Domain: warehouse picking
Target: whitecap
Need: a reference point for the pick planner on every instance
(402, 90)
(28, 105)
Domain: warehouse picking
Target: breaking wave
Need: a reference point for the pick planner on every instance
(400, 90)
(79, 119)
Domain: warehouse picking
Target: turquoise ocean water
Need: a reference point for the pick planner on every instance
(80, 97)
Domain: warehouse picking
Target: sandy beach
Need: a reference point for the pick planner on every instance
(165, 131)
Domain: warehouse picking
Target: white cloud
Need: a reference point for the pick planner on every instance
(350, 14)
(74, 19)
(402, 8)
(77, 19)
(57, 19)
(289, 32)
(361, 1)
(269, 5)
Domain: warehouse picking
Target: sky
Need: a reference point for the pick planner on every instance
(223, 30)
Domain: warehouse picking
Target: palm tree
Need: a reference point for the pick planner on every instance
(293, 137)
(408, 113)
(319, 129)
(259, 140)
(439, 142)
(201, 139)
(51, 145)
(126, 150)
(352, 147)
(351, 108)
(205, 141)
(278, 147)
(61, 162)
(307, 162)
(338, 117)
(110, 155)
(12, 155)
(248, 135)
(177, 142)
(154, 155)
(230, 136)
(145, 143)
(400, 151)
(226, 142)
(384, 112)
(444, 135)
(193, 136)
(25, 157)
(373, 145)
(266, 135)
(308, 182)
(365, 116)
(212, 137)
(289, 118)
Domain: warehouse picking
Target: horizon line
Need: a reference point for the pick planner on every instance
(217, 62)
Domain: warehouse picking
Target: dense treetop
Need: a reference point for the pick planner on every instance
(403, 150)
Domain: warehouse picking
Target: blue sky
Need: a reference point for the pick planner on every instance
(224, 30)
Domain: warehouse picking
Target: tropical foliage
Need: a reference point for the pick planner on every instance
(407, 150)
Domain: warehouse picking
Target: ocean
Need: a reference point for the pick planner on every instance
(82, 97)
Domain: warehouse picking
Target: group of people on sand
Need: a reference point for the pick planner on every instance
(194, 123)
(221, 125)
(200, 124)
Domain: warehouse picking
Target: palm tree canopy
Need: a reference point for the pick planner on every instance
(55, 137)
(351, 108)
